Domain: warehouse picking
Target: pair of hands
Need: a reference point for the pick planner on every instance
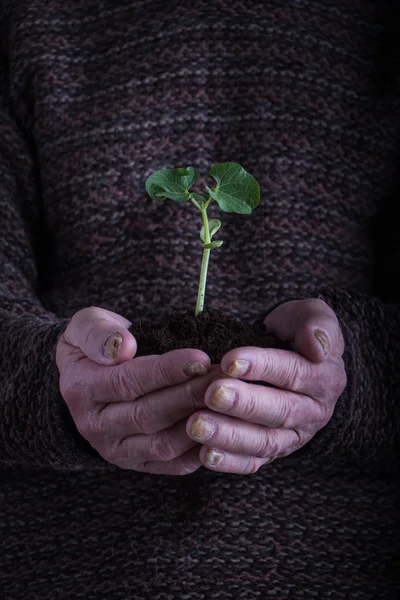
(172, 413)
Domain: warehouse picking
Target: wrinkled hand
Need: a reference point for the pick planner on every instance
(133, 411)
(250, 425)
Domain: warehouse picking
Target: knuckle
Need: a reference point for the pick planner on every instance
(140, 419)
(250, 407)
(268, 445)
(232, 438)
(287, 409)
(298, 374)
(263, 365)
(330, 385)
(141, 467)
(122, 452)
(125, 381)
(319, 389)
(194, 394)
(160, 448)
(164, 370)
(318, 418)
(302, 437)
(183, 469)
(133, 382)
(117, 381)
(252, 466)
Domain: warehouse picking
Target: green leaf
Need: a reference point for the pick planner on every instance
(237, 191)
(171, 183)
(213, 225)
(200, 197)
(211, 245)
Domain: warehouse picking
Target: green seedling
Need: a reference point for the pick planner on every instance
(236, 192)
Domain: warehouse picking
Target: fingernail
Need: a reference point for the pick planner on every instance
(194, 368)
(238, 367)
(112, 345)
(323, 340)
(214, 457)
(202, 429)
(223, 397)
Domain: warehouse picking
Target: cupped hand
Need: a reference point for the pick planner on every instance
(249, 425)
(133, 411)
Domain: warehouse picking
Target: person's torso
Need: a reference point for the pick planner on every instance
(290, 90)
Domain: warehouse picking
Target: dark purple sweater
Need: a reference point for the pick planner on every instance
(94, 96)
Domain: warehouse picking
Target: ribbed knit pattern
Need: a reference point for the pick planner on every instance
(94, 96)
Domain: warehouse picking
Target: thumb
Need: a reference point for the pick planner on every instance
(99, 334)
(310, 326)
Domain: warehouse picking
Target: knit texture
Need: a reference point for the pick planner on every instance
(94, 96)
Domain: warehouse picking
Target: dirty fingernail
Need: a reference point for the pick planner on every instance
(223, 397)
(202, 429)
(112, 345)
(323, 340)
(194, 368)
(238, 367)
(214, 457)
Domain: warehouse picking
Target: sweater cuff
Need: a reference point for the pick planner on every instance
(36, 427)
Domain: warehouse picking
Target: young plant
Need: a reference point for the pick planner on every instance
(236, 192)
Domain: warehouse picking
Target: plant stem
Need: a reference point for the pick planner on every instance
(204, 263)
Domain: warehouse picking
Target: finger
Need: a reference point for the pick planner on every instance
(99, 334)
(310, 325)
(281, 368)
(240, 437)
(226, 462)
(162, 446)
(323, 382)
(144, 375)
(267, 406)
(188, 463)
(156, 411)
(89, 388)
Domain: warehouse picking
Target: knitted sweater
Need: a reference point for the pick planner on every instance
(94, 97)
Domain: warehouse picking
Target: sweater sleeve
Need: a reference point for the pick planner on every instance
(36, 430)
(366, 422)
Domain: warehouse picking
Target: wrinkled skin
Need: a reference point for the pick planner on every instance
(264, 423)
(146, 413)
(133, 411)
